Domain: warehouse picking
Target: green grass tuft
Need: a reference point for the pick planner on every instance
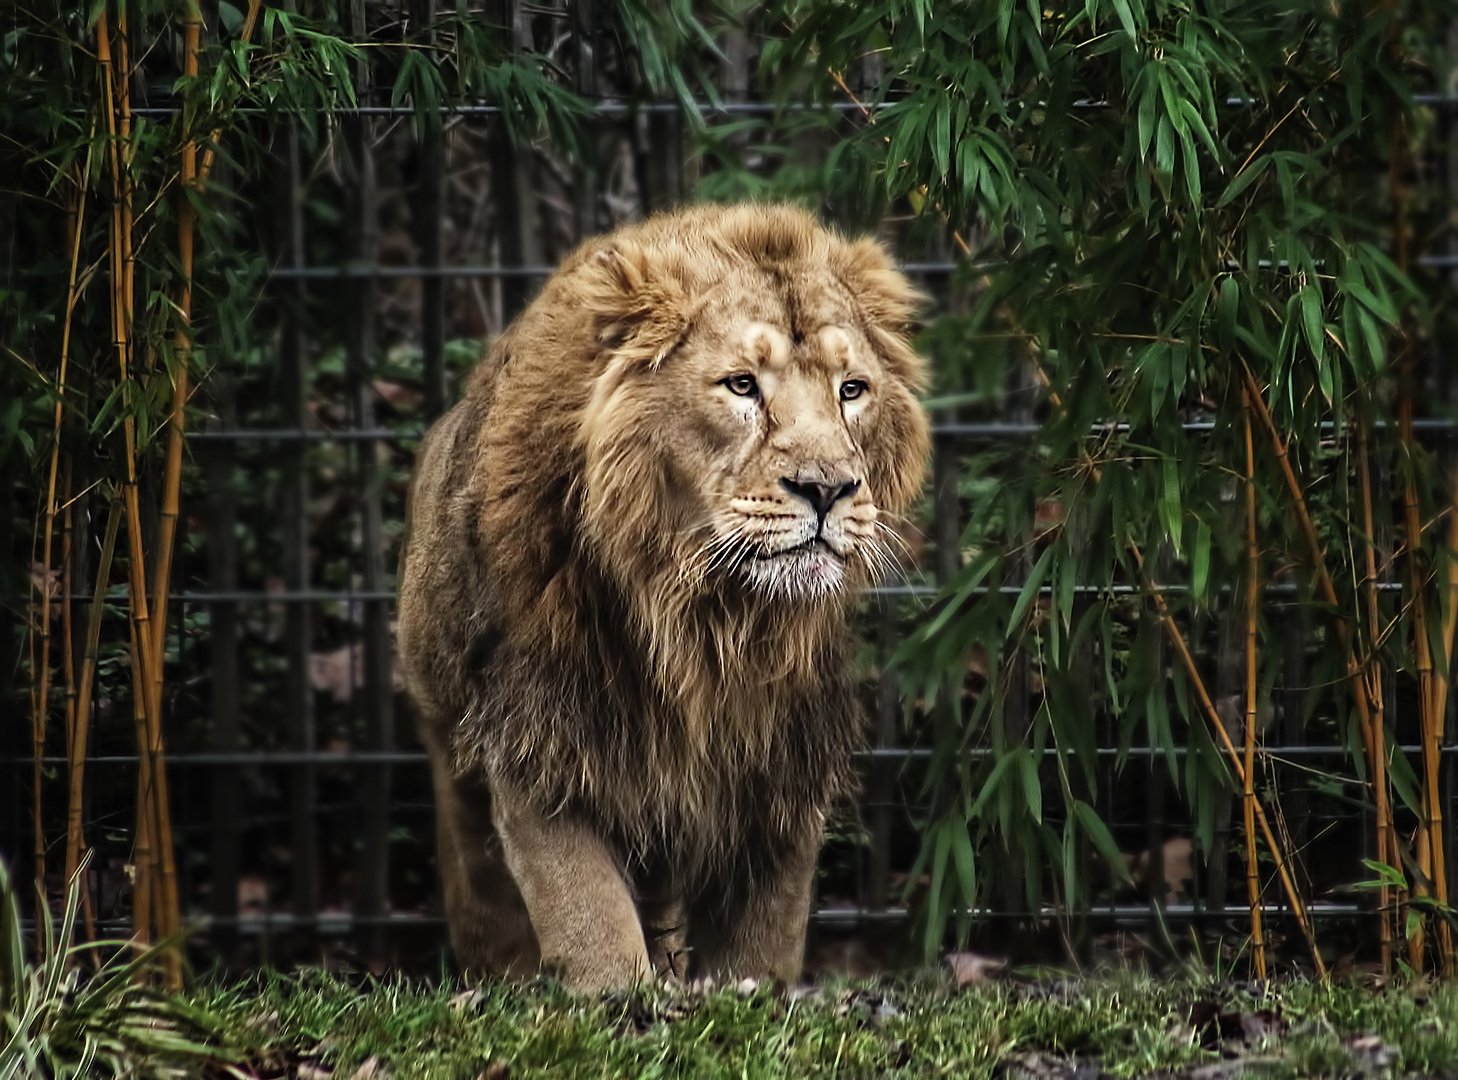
(1121, 1025)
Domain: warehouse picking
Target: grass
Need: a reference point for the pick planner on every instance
(60, 1018)
(1123, 1024)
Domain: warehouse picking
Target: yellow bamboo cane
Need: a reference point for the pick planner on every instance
(1252, 613)
(1376, 737)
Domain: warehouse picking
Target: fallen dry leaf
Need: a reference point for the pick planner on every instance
(372, 1068)
(466, 999)
(970, 969)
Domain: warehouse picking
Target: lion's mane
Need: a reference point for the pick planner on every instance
(545, 640)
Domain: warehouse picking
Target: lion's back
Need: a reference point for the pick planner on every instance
(438, 589)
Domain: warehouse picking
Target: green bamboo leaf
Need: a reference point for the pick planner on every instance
(1373, 340)
(1200, 560)
(1146, 113)
(1242, 181)
(1126, 17)
(968, 578)
(1326, 380)
(1312, 326)
(1032, 785)
(1067, 582)
(942, 142)
(1379, 305)
(1227, 309)
(993, 782)
(1164, 147)
(1171, 515)
(966, 864)
(1029, 590)
(1387, 876)
(936, 916)
(1094, 828)
(1404, 782)
(1196, 123)
(1191, 162)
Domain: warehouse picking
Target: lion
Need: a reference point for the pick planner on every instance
(625, 592)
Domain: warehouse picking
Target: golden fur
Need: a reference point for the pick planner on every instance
(624, 595)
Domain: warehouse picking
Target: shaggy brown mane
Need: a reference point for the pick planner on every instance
(558, 638)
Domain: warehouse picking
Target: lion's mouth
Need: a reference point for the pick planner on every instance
(814, 546)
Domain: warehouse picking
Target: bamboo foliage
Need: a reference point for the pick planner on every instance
(115, 417)
(1180, 272)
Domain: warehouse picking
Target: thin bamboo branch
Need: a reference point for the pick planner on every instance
(68, 647)
(1376, 736)
(1252, 614)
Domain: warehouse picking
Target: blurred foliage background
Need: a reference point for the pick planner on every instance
(1176, 630)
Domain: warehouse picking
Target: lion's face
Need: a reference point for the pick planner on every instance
(774, 430)
(764, 447)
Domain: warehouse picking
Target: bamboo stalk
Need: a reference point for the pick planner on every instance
(154, 845)
(1432, 854)
(37, 612)
(1252, 612)
(144, 886)
(75, 839)
(68, 646)
(182, 359)
(1387, 849)
(1449, 608)
(77, 218)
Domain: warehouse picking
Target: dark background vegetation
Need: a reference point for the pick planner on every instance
(1144, 226)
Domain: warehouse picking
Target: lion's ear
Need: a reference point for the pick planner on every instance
(888, 304)
(639, 307)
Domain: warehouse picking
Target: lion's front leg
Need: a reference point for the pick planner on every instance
(489, 927)
(757, 930)
(581, 908)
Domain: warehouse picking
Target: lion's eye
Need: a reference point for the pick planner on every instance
(852, 389)
(743, 385)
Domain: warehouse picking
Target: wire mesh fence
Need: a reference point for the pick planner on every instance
(302, 800)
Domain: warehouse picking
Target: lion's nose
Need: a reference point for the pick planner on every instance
(821, 496)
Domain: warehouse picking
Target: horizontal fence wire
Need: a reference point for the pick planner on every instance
(344, 924)
(346, 271)
(610, 108)
(268, 758)
(904, 589)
